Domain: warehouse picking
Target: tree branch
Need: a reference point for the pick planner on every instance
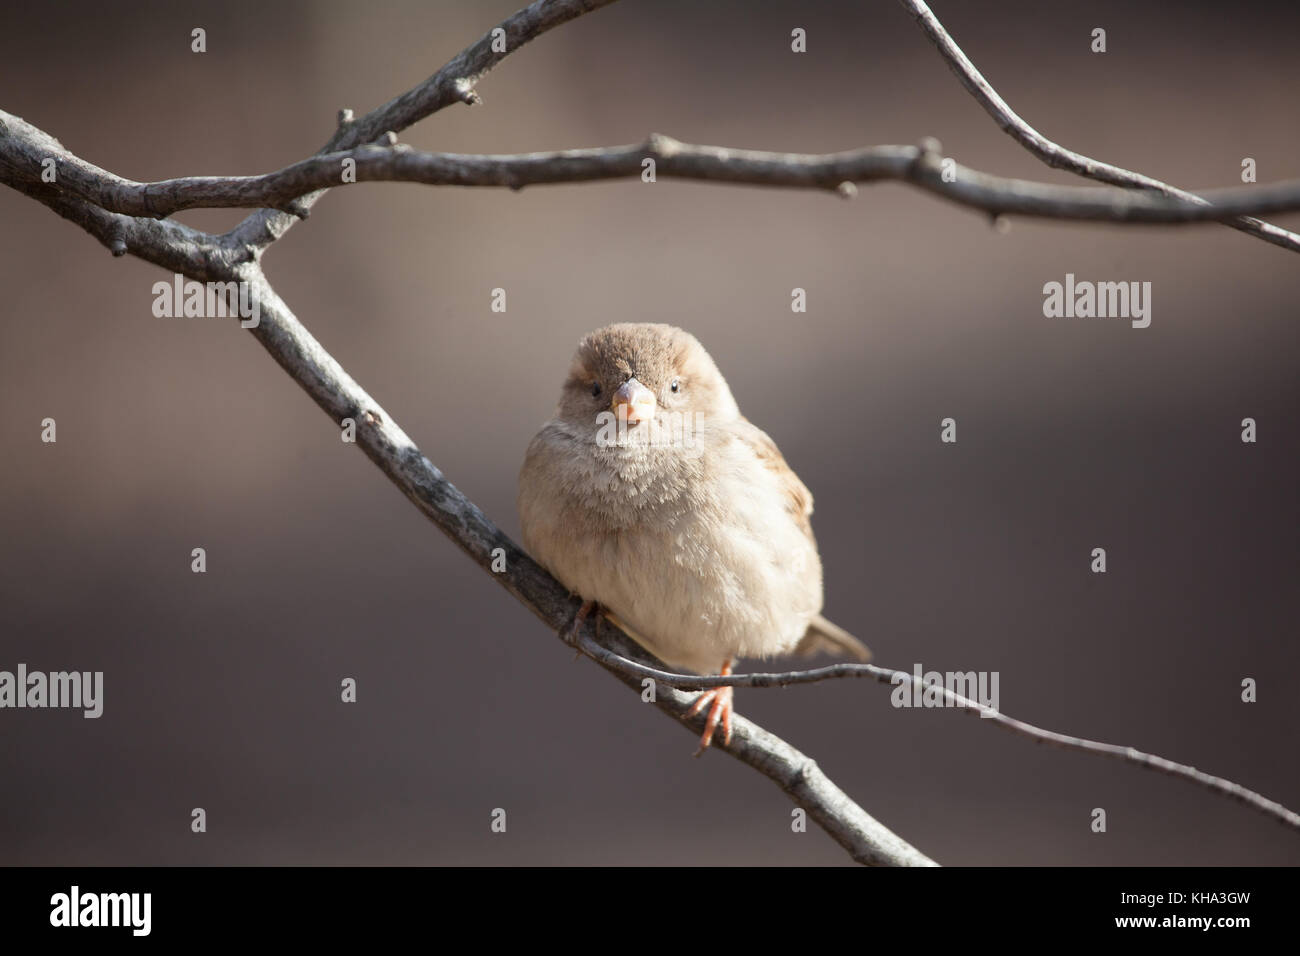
(1055, 155)
(886, 675)
(23, 145)
(455, 82)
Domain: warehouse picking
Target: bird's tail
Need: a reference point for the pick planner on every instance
(823, 637)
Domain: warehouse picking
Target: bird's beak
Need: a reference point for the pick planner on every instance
(633, 402)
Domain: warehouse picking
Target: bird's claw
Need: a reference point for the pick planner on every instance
(719, 702)
(573, 631)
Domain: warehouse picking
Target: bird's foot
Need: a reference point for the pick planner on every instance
(573, 630)
(718, 700)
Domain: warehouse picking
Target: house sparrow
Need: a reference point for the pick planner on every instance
(651, 497)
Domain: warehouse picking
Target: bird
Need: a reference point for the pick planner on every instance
(653, 499)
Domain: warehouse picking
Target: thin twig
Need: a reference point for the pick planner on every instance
(1055, 155)
(887, 675)
(455, 82)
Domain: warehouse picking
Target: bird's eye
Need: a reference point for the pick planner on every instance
(595, 389)
(676, 385)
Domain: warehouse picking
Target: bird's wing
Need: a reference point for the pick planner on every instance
(822, 636)
(799, 500)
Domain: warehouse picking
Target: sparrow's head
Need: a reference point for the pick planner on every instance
(644, 374)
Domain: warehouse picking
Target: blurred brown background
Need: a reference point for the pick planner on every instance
(222, 690)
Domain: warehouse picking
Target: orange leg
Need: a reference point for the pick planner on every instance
(720, 712)
(584, 612)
